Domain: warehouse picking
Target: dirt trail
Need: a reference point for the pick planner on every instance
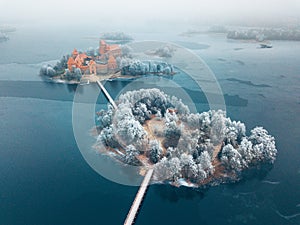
(155, 124)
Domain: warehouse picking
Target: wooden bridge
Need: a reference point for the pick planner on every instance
(107, 94)
(142, 190)
(138, 198)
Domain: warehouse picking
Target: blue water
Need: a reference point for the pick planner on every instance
(45, 180)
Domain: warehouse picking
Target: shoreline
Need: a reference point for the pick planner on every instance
(87, 79)
(91, 78)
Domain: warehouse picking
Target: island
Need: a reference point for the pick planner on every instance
(150, 129)
(3, 37)
(116, 36)
(262, 34)
(250, 33)
(165, 51)
(108, 61)
(4, 31)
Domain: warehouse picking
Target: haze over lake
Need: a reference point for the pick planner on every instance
(44, 178)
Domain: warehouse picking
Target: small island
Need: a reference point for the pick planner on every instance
(4, 31)
(166, 51)
(3, 37)
(116, 36)
(265, 34)
(108, 61)
(151, 129)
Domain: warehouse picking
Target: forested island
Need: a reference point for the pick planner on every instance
(245, 33)
(265, 34)
(163, 51)
(116, 36)
(153, 130)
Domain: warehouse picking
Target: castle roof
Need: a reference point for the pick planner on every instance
(83, 55)
(75, 52)
(71, 61)
(102, 42)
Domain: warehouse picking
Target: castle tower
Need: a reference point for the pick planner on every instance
(102, 47)
(92, 67)
(71, 63)
(112, 63)
(78, 61)
(75, 52)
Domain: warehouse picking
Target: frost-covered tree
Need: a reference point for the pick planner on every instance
(189, 139)
(105, 117)
(161, 169)
(128, 129)
(231, 158)
(126, 51)
(189, 167)
(43, 70)
(164, 51)
(178, 105)
(125, 62)
(171, 116)
(61, 65)
(130, 155)
(217, 126)
(168, 169)
(172, 134)
(234, 132)
(137, 67)
(50, 71)
(246, 151)
(68, 74)
(206, 146)
(175, 168)
(77, 74)
(155, 151)
(151, 97)
(47, 70)
(107, 137)
(171, 152)
(264, 148)
(205, 162)
(205, 121)
(193, 120)
(141, 112)
(188, 142)
(201, 174)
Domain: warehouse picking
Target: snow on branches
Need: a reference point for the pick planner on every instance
(198, 147)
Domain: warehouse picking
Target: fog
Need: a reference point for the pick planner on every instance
(155, 12)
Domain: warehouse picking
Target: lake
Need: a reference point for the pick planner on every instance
(45, 180)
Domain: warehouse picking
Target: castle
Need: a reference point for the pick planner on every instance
(105, 61)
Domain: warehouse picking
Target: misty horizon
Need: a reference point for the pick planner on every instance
(119, 14)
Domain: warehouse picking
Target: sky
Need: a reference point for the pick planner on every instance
(145, 12)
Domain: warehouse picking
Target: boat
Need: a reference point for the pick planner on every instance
(265, 45)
